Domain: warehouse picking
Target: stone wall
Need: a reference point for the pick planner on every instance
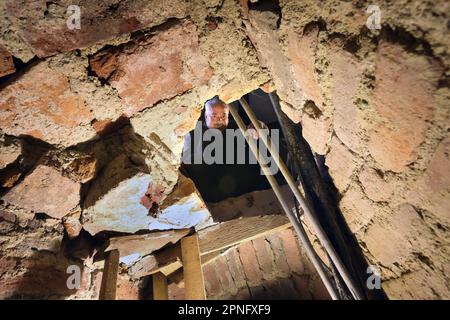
(376, 104)
(130, 84)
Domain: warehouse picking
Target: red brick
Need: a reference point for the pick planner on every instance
(243, 294)
(7, 216)
(43, 24)
(288, 291)
(375, 187)
(41, 104)
(73, 225)
(318, 289)
(258, 293)
(302, 286)
(39, 275)
(224, 275)
(154, 68)
(250, 263)
(357, 209)
(176, 293)
(108, 126)
(404, 99)
(316, 130)
(262, 32)
(301, 51)
(45, 190)
(235, 267)
(291, 250)
(340, 163)
(431, 189)
(212, 282)
(347, 75)
(7, 264)
(265, 257)
(8, 154)
(6, 62)
(281, 265)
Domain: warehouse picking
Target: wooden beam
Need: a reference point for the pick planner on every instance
(192, 268)
(166, 261)
(160, 290)
(212, 242)
(235, 232)
(109, 277)
(143, 244)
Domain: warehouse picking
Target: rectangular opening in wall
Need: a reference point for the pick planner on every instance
(221, 164)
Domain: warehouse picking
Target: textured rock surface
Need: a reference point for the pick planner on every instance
(379, 113)
(132, 81)
(10, 153)
(404, 99)
(98, 21)
(42, 105)
(6, 62)
(45, 191)
(154, 68)
(431, 191)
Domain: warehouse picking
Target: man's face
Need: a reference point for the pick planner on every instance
(216, 116)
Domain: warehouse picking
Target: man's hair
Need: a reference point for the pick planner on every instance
(213, 101)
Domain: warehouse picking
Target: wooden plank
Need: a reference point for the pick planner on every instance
(145, 244)
(109, 277)
(235, 232)
(171, 268)
(160, 290)
(166, 261)
(192, 268)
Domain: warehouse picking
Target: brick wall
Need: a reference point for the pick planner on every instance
(271, 267)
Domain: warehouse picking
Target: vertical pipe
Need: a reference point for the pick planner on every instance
(303, 238)
(323, 238)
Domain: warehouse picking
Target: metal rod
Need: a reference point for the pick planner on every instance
(323, 238)
(303, 238)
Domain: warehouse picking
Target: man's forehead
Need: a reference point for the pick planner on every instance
(217, 107)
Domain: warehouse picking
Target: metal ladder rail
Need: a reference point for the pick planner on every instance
(303, 238)
(323, 238)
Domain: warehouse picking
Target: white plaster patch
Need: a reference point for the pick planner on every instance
(181, 215)
(130, 259)
(121, 209)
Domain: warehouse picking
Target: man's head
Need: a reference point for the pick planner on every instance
(216, 113)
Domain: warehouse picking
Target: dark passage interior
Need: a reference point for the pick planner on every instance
(219, 181)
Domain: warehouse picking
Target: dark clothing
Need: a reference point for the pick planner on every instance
(220, 181)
